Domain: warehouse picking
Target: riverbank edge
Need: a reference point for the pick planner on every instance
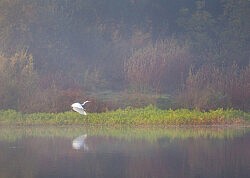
(148, 116)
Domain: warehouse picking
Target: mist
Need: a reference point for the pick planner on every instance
(119, 53)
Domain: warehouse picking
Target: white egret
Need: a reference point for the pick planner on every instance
(79, 107)
(79, 143)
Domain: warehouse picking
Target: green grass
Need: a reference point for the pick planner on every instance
(148, 116)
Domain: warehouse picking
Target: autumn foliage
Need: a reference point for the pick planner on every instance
(159, 67)
(191, 54)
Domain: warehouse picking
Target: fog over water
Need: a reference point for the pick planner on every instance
(187, 152)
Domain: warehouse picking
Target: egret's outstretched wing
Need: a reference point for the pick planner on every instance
(79, 110)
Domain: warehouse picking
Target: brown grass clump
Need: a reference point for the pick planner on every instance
(211, 87)
(158, 67)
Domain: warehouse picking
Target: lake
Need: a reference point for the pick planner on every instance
(78, 151)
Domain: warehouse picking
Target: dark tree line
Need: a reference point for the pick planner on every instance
(74, 48)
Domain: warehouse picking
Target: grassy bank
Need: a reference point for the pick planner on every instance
(131, 117)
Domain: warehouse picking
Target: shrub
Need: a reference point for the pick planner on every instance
(159, 67)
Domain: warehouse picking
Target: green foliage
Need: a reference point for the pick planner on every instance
(149, 116)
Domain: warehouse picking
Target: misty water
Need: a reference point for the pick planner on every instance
(124, 152)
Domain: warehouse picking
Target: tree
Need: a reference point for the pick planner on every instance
(235, 36)
(201, 32)
(18, 80)
(219, 38)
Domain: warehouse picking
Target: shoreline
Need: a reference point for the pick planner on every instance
(133, 117)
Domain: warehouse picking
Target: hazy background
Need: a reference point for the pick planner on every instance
(118, 53)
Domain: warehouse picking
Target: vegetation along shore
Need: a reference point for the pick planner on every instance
(148, 116)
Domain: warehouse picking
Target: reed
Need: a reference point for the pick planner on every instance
(158, 67)
(211, 87)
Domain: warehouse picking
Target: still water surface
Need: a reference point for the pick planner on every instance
(27, 152)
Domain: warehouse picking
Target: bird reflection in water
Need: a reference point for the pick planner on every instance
(80, 143)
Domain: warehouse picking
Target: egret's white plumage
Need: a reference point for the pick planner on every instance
(79, 107)
(79, 110)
